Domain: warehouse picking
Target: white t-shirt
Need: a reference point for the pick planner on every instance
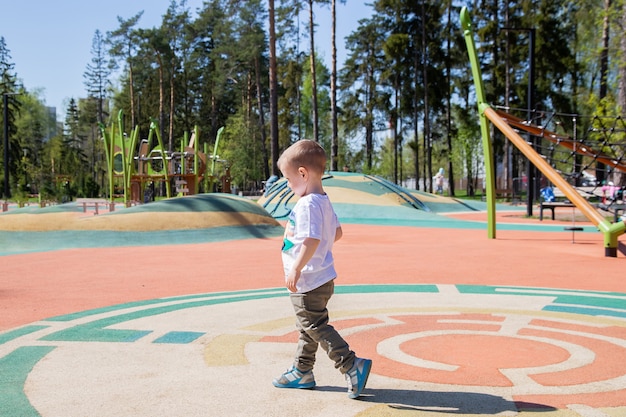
(313, 216)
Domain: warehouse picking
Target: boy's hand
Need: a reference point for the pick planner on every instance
(292, 280)
(309, 246)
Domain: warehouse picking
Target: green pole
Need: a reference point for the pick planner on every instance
(110, 147)
(182, 153)
(206, 169)
(217, 142)
(107, 153)
(214, 156)
(130, 161)
(196, 135)
(120, 122)
(484, 125)
(154, 126)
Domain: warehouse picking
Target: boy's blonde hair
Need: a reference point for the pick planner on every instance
(304, 153)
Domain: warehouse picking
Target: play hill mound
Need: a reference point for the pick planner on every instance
(357, 198)
(360, 198)
(193, 212)
(193, 219)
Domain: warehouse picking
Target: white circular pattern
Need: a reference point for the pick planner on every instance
(162, 357)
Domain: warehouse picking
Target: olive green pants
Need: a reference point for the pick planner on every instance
(312, 323)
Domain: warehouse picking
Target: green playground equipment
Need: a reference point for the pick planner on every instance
(134, 164)
(502, 121)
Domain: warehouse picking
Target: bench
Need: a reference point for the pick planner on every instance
(47, 203)
(95, 202)
(616, 208)
(504, 193)
(551, 206)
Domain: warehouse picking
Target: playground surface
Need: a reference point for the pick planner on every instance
(530, 323)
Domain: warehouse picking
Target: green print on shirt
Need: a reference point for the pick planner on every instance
(288, 244)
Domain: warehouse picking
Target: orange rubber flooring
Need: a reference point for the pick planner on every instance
(428, 363)
(36, 286)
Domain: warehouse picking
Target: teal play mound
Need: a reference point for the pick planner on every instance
(193, 219)
(193, 212)
(360, 198)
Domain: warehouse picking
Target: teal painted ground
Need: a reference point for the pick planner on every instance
(414, 209)
(87, 327)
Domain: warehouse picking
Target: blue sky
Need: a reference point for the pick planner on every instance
(50, 41)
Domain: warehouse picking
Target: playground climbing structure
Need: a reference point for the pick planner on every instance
(134, 166)
(601, 150)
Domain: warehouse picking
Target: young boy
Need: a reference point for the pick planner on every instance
(307, 256)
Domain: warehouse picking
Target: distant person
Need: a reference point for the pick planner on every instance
(439, 180)
(609, 191)
(311, 231)
(547, 194)
(269, 183)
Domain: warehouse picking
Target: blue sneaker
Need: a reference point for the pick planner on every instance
(294, 378)
(357, 376)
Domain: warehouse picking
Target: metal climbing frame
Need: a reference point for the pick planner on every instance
(500, 120)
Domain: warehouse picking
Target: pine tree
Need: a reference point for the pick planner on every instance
(97, 74)
(363, 99)
(273, 79)
(9, 88)
(123, 44)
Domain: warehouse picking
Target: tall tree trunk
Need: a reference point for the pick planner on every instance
(622, 67)
(171, 113)
(507, 163)
(259, 97)
(427, 139)
(162, 101)
(604, 72)
(449, 103)
(333, 92)
(416, 71)
(313, 74)
(273, 90)
(131, 91)
(604, 54)
(394, 126)
(370, 86)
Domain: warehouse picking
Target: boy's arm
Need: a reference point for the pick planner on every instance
(338, 233)
(309, 246)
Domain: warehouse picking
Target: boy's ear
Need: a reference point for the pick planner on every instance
(303, 172)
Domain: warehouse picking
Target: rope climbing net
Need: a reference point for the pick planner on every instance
(588, 151)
